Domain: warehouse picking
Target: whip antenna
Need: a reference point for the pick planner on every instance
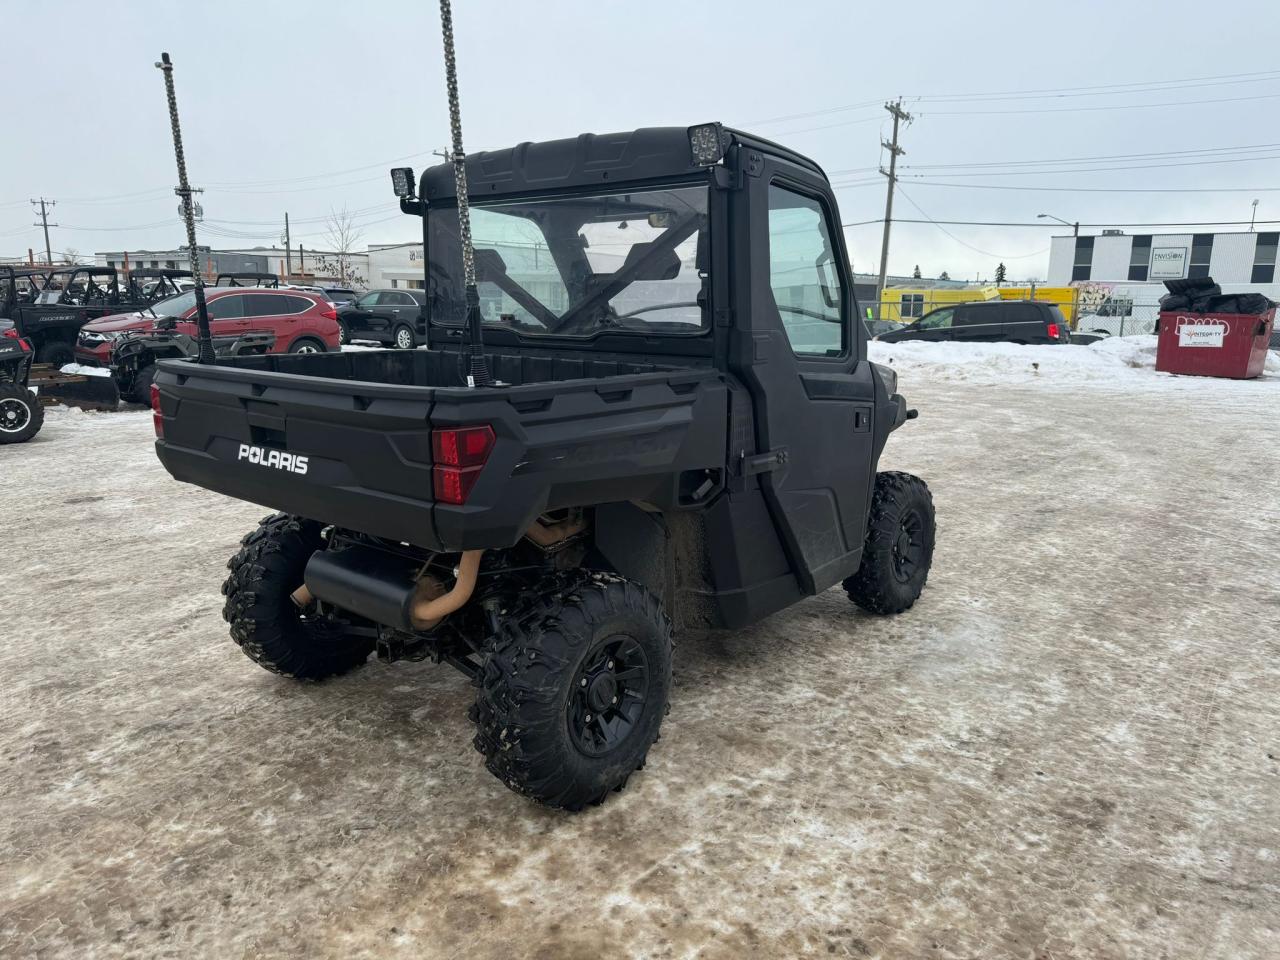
(184, 191)
(477, 367)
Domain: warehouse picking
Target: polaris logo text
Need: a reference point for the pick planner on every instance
(273, 458)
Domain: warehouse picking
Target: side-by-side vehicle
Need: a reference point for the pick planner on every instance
(682, 435)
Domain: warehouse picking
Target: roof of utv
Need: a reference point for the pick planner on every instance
(589, 159)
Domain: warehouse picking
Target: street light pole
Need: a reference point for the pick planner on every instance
(1075, 227)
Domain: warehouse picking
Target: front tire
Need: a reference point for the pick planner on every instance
(899, 546)
(55, 352)
(573, 690)
(265, 622)
(404, 338)
(21, 415)
(140, 391)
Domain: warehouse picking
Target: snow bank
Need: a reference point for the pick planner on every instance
(81, 369)
(1123, 362)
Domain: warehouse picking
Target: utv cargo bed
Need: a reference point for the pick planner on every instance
(347, 437)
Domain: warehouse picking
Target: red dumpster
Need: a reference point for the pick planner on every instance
(1214, 344)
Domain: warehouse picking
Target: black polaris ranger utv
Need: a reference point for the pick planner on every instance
(69, 298)
(684, 433)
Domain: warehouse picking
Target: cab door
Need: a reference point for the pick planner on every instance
(812, 389)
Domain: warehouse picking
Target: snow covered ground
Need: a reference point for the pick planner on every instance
(1070, 747)
(1116, 363)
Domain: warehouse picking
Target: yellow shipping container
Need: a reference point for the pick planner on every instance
(908, 303)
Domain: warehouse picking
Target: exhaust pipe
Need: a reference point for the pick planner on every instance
(382, 587)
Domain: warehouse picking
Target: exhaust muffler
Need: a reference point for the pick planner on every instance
(385, 588)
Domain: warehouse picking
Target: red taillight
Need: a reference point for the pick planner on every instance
(157, 419)
(1053, 331)
(329, 312)
(12, 334)
(460, 454)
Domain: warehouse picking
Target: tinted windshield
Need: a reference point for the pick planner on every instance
(175, 306)
(578, 265)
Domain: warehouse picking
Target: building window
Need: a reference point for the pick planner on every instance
(1140, 258)
(1083, 260)
(1201, 249)
(1264, 258)
(912, 305)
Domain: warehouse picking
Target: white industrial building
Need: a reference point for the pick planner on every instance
(300, 263)
(1120, 276)
(395, 265)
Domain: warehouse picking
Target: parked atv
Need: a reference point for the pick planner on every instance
(21, 415)
(683, 436)
(135, 353)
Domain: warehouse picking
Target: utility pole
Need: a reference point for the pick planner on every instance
(288, 249)
(1253, 216)
(895, 151)
(45, 206)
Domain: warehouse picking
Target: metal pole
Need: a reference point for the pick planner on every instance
(1075, 229)
(288, 250)
(892, 173)
(477, 367)
(44, 222)
(184, 191)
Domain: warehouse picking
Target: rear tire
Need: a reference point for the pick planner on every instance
(55, 352)
(403, 338)
(265, 622)
(306, 345)
(899, 546)
(573, 690)
(21, 415)
(343, 337)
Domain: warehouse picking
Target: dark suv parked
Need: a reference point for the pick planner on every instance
(1008, 321)
(388, 316)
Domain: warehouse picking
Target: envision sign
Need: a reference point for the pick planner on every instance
(1168, 263)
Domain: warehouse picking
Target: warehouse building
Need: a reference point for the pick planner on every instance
(1119, 277)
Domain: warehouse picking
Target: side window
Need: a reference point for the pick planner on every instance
(264, 305)
(226, 308)
(367, 301)
(967, 317)
(803, 274)
(404, 300)
(937, 320)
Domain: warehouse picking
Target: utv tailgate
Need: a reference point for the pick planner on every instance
(358, 454)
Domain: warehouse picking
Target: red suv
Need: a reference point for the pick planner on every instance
(301, 322)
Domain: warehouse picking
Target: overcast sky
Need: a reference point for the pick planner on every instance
(303, 106)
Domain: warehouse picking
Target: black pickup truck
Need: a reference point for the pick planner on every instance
(684, 432)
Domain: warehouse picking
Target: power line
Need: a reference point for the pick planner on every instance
(998, 186)
(1113, 106)
(1141, 166)
(985, 253)
(1152, 155)
(1044, 93)
(1056, 226)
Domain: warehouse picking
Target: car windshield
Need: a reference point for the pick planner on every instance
(175, 306)
(576, 266)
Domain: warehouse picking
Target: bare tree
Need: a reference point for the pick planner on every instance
(341, 235)
(72, 255)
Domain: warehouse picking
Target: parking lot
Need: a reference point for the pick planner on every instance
(1068, 748)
